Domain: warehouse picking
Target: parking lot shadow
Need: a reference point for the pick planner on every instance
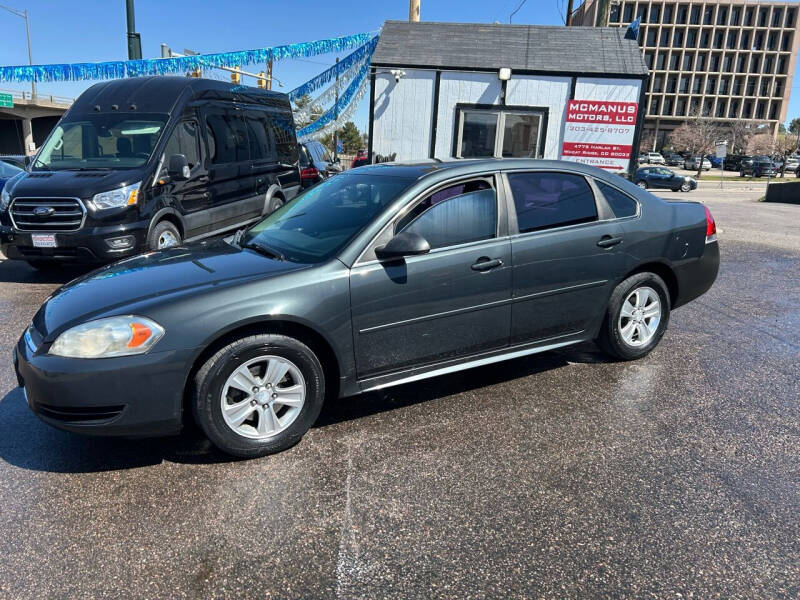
(29, 443)
(17, 271)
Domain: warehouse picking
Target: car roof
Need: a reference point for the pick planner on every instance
(443, 169)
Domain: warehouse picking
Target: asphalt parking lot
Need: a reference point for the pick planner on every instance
(557, 476)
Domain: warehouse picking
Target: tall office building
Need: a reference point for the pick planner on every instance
(732, 60)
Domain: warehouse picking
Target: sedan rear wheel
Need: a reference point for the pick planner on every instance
(636, 318)
(642, 184)
(258, 395)
(685, 187)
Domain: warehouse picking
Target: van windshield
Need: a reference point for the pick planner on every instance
(101, 141)
(321, 221)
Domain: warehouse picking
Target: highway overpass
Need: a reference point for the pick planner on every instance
(24, 124)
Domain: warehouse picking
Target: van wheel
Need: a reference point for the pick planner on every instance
(274, 204)
(636, 317)
(258, 395)
(164, 235)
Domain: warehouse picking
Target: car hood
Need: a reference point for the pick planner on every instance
(155, 275)
(72, 184)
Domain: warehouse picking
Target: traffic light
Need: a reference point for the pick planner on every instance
(261, 82)
(236, 77)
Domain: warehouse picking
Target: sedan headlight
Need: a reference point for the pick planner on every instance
(5, 199)
(105, 338)
(125, 196)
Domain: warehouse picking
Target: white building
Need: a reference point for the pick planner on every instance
(461, 90)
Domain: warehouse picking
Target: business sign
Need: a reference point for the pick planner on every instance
(600, 133)
(721, 149)
(6, 101)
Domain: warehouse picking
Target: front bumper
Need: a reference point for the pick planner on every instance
(85, 246)
(132, 396)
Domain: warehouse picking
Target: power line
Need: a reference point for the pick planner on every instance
(516, 10)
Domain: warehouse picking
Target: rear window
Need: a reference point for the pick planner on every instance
(622, 204)
(545, 200)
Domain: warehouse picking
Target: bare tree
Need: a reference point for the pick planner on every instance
(783, 145)
(647, 142)
(741, 132)
(697, 136)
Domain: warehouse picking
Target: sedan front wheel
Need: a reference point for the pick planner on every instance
(258, 395)
(686, 187)
(642, 184)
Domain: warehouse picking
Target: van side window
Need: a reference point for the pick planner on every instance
(228, 136)
(184, 141)
(284, 135)
(258, 133)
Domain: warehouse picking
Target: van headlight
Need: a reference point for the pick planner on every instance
(105, 338)
(125, 196)
(5, 198)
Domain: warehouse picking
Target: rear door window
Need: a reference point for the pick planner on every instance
(545, 200)
(622, 204)
(259, 137)
(228, 139)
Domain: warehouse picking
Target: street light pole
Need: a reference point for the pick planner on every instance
(24, 15)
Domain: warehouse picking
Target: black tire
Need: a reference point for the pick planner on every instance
(45, 265)
(274, 204)
(741, 173)
(642, 184)
(685, 188)
(211, 378)
(610, 339)
(675, 189)
(163, 229)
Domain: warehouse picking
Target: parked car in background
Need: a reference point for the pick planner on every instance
(663, 178)
(361, 159)
(18, 160)
(733, 162)
(759, 166)
(642, 160)
(7, 171)
(379, 276)
(322, 158)
(792, 163)
(655, 158)
(673, 160)
(694, 162)
(716, 162)
(146, 163)
(309, 174)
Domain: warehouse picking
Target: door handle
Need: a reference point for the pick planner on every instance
(484, 263)
(607, 241)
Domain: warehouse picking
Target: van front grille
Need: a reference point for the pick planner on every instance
(47, 214)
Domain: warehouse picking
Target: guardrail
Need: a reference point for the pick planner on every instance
(27, 96)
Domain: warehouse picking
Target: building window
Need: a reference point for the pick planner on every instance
(654, 105)
(719, 38)
(786, 41)
(751, 86)
(758, 41)
(773, 111)
(761, 110)
(738, 86)
(681, 108)
(691, 38)
(777, 16)
(748, 16)
(720, 108)
(642, 12)
(755, 63)
(677, 38)
(628, 12)
(674, 61)
(762, 16)
(701, 61)
(727, 63)
(683, 11)
(485, 132)
(722, 15)
(658, 84)
(736, 15)
(724, 85)
(705, 38)
(781, 65)
(733, 109)
(777, 90)
(744, 41)
(688, 59)
(741, 63)
(708, 15)
(648, 59)
(668, 103)
(765, 85)
(769, 64)
(651, 36)
(747, 109)
(714, 63)
(731, 45)
(655, 14)
(694, 15)
(613, 15)
(684, 84)
(772, 41)
(661, 59)
(672, 84)
(697, 84)
(666, 34)
(790, 16)
(711, 85)
(668, 10)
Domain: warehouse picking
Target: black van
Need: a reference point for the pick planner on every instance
(144, 164)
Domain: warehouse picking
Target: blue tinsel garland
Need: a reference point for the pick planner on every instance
(348, 61)
(165, 66)
(333, 112)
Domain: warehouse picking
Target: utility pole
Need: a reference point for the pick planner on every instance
(413, 11)
(269, 74)
(336, 117)
(23, 14)
(569, 13)
(134, 39)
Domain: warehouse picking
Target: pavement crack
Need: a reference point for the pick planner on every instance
(348, 544)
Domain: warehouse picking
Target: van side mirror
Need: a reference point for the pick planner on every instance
(178, 168)
(403, 244)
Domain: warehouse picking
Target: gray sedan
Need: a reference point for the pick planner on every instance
(383, 275)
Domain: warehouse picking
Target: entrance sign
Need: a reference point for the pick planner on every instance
(721, 148)
(600, 133)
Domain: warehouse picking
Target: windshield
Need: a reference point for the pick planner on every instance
(101, 141)
(321, 221)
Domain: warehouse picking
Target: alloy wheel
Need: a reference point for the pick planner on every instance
(639, 316)
(263, 397)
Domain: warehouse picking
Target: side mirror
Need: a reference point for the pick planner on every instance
(403, 244)
(178, 168)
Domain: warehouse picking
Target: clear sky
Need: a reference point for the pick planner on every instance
(94, 30)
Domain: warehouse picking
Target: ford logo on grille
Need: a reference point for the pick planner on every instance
(43, 211)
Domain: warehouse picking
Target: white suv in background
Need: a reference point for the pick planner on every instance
(655, 158)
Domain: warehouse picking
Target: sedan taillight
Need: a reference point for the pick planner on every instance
(711, 227)
(309, 173)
